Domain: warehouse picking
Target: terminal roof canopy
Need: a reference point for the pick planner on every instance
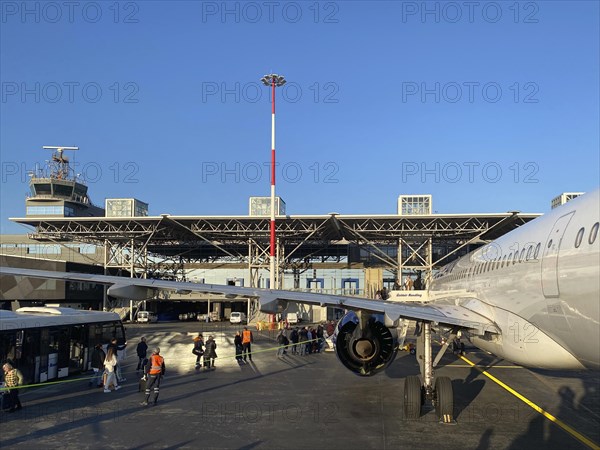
(203, 236)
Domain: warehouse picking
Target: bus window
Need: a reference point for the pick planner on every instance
(8, 346)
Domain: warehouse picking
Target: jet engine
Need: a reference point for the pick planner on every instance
(365, 349)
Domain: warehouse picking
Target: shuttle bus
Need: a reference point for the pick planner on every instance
(47, 343)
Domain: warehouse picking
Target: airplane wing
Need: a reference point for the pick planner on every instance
(274, 301)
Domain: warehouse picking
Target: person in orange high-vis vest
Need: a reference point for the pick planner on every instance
(247, 340)
(155, 369)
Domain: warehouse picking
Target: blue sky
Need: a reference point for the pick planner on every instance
(489, 110)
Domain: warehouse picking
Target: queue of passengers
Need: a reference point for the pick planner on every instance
(305, 340)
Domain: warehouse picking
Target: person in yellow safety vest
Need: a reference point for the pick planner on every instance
(155, 370)
(247, 340)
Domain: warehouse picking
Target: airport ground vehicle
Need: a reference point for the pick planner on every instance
(146, 317)
(47, 343)
(293, 317)
(237, 317)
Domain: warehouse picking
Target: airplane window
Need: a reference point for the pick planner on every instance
(522, 257)
(593, 233)
(508, 259)
(503, 261)
(579, 237)
(529, 250)
(550, 243)
(537, 250)
(516, 258)
(498, 263)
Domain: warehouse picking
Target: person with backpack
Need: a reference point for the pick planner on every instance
(198, 349)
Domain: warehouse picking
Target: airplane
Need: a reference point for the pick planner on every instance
(531, 297)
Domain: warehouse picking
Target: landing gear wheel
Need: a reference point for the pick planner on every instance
(444, 400)
(413, 398)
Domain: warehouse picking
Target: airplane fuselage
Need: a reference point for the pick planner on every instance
(540, 284)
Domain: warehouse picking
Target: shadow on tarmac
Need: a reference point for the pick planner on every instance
(110, 409)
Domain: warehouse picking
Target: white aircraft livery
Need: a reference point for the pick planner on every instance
(531, 297)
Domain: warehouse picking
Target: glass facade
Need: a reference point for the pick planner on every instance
(55, 210)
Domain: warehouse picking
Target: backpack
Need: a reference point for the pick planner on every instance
(197, 350)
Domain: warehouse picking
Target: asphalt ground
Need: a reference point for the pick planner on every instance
(304, 402)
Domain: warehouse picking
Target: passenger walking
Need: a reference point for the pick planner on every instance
(98, 357)
(198, 349)
(247, 340)
(294, 338)
(210, 353)
(282, 341)
(303, 338)
(309, 342)
(141, 350)
(320, 338)
(117, 348)
(155, 371)
(13, 379)
(110, 364)
(237, 341)
(330, 328)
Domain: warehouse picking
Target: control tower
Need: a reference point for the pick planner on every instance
(56, 191)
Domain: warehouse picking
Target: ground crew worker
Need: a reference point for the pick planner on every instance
(247, 340)
(154, 373)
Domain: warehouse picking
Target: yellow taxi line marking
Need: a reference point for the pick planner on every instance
(580, 437)
(485, 367)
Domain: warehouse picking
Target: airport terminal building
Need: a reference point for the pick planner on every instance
(333, 253)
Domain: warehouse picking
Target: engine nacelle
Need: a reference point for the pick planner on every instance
(365, 352)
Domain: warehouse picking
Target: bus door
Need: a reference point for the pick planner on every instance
(77, 348)
(59, 353)
(30, 355)
(44, 351)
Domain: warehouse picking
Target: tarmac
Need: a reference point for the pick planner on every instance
(303, 402)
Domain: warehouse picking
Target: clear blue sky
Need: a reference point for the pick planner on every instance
(383, 99)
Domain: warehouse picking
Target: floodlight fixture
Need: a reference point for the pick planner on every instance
(273, 79)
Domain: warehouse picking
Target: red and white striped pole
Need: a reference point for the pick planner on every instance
(272, 255)
(274, 81)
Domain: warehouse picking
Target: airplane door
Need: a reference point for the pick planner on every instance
(550, 256)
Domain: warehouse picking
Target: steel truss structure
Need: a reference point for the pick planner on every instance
(165, 246)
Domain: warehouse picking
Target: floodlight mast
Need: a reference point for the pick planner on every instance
(273, 80)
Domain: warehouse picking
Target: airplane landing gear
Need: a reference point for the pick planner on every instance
(416, 393)
(413, 397)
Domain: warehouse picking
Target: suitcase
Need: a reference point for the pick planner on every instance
(142, 385)
(5, 401)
